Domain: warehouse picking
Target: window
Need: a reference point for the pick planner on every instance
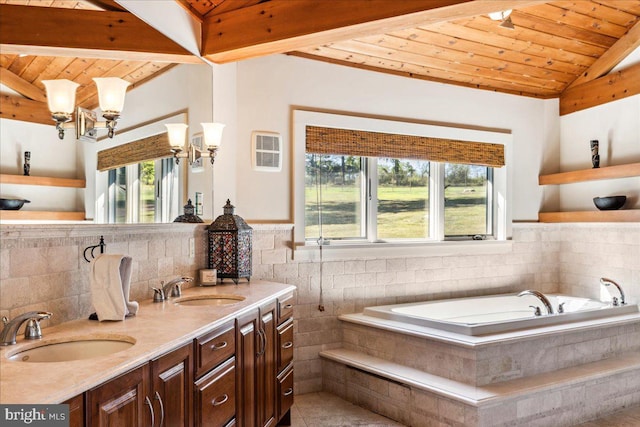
(146, 192)
(385, 199)
(367, 180)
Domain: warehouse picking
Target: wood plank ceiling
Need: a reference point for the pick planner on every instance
(553, 49)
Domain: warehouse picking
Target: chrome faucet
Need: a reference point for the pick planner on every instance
(174, 287)
(541, 297)
(32, 332)
(608, 282)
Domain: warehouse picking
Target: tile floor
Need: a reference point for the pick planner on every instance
(327, 410)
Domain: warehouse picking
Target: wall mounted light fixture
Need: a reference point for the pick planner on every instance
(504, 17)
(61, 99)
(212, 140)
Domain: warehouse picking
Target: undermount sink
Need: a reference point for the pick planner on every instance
(217, 299)
(74, 349)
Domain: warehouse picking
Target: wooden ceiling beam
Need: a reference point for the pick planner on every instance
(18, 108)
(85, 33)
(612, 57)
(612, 87)
(280, 26)
(20, 85)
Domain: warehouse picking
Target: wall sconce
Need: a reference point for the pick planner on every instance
(503, 16)
(212, 140)
(61, 99)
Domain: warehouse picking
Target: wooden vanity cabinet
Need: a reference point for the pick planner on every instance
(121, 401)
(172, 379)
(155, 394)
(215, 377)
(284, 354)
(76, 411)
(264, 352)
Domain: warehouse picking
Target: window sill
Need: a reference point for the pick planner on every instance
(341, 252)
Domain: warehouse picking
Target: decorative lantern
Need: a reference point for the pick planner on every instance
(189, 215)
(230, 246)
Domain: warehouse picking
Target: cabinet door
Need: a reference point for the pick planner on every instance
(76, 411)
(266, 367)
(246, 340)
(216, 396)
(172, 378)
(121, 402)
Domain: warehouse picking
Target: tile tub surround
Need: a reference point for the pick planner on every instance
(491, 359)
(563, 258)
(514, 403)
(157, 329)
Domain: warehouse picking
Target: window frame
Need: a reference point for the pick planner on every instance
(501, 206)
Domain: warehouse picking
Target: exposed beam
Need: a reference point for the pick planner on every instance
(16, 108)
(20, 85)
(279, 26)
(612, 57)
(612, 87)
(85, 33)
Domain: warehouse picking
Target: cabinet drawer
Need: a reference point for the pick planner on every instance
(214, 348)
(285, 344)
(285, 391)
(285, 307)
(216, 396)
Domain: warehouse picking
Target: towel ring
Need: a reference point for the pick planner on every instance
(101, 245)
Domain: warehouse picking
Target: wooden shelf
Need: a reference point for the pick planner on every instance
(42, 180)
(42, 215)
(626, 215)
(609, 172)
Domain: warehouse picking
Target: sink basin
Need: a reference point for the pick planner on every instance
(74, 349)
(217, 299)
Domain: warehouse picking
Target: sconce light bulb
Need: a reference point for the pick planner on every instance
(212, 134)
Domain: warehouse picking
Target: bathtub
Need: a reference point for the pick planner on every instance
(496, 313)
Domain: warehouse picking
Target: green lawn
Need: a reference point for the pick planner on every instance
(402, 211)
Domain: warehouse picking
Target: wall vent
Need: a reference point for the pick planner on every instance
(266, 148)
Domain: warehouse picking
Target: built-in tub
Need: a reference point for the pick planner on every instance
(496, 313)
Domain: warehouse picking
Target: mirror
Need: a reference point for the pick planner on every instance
(181, 94)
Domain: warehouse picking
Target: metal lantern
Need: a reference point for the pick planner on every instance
(230, 246)
(189, 215)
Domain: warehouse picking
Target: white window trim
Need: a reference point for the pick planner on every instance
(501, 178)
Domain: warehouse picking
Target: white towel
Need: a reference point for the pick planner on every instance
(110, 284)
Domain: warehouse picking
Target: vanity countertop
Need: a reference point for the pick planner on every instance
(158, 328)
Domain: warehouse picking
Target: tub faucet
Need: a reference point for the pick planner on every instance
(608, 282)
(541, 297)
(10, 330)
(172, 288)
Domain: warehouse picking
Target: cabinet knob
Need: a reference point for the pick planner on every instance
(287, 306)
(288, 344)
(220, 400)
(288, 392)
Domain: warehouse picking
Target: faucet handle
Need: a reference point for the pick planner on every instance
(176, 291)
(561, 307)
(158, 293)
(536, 310)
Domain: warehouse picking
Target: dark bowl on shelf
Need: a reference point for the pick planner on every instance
(12, 204)
(609, 203)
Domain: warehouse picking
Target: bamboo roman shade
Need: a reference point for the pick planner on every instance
(349, 142)
(149, 148)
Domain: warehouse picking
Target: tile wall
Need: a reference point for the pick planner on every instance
(41, 267)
